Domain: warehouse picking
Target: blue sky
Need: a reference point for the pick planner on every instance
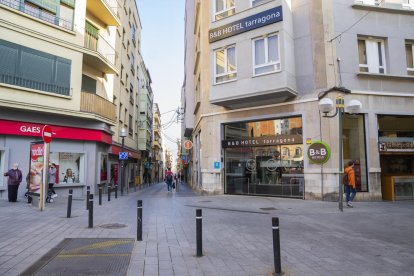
(163, 51)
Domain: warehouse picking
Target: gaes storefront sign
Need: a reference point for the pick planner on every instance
(319, 152)
(246, 24)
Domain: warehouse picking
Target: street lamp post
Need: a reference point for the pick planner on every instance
(122, 134)
(326, 106)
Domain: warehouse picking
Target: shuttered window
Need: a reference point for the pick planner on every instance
(88, 84)
(26, 67)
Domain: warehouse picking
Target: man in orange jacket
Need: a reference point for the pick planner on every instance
(350, 189)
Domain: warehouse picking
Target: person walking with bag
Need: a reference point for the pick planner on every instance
(350, 189)
(169, 178)
(15, 178)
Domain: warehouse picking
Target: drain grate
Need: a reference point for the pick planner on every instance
(113, 226)
(267, 208)
(85, 256)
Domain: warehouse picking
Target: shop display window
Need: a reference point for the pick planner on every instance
(70, 167)
(264, 157)
(355, 148)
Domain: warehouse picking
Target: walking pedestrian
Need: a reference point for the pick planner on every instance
(169, 177)
(15, 178)
(350, 189)
(29, 198)
(52, 180)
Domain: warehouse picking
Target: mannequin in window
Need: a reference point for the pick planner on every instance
(69, 177)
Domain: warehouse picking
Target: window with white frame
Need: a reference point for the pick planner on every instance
(408, 4)
(223, 8)
(255, 3)
(266, 58)
(369, 2)
(371, 53)
(409, 50)
(225, 64)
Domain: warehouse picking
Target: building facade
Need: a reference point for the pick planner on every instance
(255, 75)
(64, 65)
(157, 146)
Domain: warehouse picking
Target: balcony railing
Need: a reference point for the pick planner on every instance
(100, 45)
(33, 84)
(40, 14)
(93, 103)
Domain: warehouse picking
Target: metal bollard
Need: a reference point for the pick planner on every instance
(116, 190)
(100, 195)
(69, 204)
(139, 220)
(109, 193)
(276, 246)
(88, 192)
(90, 211)
(199, 232)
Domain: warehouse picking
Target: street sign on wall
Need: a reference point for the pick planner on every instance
(123, 156)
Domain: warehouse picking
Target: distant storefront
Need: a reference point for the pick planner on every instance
(80, 154)
(396, 147)
(264, 157)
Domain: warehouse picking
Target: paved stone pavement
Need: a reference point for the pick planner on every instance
(374, 238)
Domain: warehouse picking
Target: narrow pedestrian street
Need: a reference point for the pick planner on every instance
(373, 238)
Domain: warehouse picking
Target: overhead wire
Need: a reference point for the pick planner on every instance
(356, 22)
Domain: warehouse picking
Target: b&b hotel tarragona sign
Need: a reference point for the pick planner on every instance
(262, 141)
(246, 24)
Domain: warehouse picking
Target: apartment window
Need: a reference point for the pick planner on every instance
(131, 93)
(133, 31)
(39, 12)
(266, 55)
(132, 62)
(66, 16)
(122, 73)
(26, 67)
(408, 4)
(409, 50)
(130, 128)
(223, 8)
(371, 55)
(369, 2)
(225, 64)
(255, 3)
(120, 113)
(91, 36)
(88, 84)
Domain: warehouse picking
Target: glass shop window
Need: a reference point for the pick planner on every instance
(70, 167)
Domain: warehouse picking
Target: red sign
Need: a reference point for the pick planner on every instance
(47, 134)
(59, 132)
(188, 144)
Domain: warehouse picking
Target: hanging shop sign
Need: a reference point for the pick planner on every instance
(246, 24)
(262, 141)
(188, 144)
(319, 152)
(396, 147)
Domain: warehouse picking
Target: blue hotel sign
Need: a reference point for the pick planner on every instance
(246, 24)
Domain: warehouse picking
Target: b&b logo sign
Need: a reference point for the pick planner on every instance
(319, 152)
